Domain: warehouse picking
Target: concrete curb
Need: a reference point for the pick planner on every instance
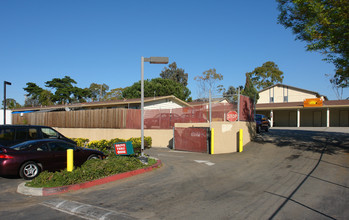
(22, 189)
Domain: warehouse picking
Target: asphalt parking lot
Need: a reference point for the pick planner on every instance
(284, 174)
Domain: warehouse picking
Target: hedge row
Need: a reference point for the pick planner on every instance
(107, 146)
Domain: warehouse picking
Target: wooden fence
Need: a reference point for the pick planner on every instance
(131, 118)
(99, 118)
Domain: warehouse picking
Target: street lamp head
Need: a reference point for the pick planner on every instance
(157, 60)
(7, 83)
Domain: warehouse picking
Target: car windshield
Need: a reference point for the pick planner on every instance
(49, 133)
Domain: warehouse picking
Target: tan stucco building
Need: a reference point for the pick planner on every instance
(286, 106)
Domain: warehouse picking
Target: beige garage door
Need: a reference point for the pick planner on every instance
(293, 119)
(344, 118)
(317, 119)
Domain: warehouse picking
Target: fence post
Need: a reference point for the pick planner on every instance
(210, 103)
(238, 104)
(70, 160)
(241, 147)
(212, 140)
(173, 138)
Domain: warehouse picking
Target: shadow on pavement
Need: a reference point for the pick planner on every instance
(306, 140)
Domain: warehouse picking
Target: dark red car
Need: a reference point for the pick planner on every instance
(29, 158)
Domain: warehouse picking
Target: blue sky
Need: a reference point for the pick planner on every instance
(103, 41)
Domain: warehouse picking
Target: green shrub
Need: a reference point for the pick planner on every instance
(115, 140)
(90, 170)
(81, 142)
(107, 147)
(101, 145)
(148, 141)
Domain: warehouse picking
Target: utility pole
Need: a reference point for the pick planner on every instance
(5, 83)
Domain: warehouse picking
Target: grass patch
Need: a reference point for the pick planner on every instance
(90, 170)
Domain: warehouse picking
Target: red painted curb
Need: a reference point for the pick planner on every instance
(64, 189)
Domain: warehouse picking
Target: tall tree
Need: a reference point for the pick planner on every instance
(34, 95)
(114, 94)
(64, 92)
(337, 87)
(98, 91)
(80, 95)
(266, 75)
(324, 26)
(208, 81)
(11, 103)
(45, 98)
(249, 89)
(64, 89)
(174, 73)
(157, 87)
(33, 90)
(232, 93)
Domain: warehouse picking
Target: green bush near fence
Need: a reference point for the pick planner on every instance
(107, 146)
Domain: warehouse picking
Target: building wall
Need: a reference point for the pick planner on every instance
(299, 96)
(278, 93)
(314, 117)
(8, 117)
(226, 134)
(263, 97)
(162, 104)
(285, 115)
(225, 140)
(160, 137)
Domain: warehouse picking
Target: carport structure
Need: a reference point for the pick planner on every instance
(334, 113)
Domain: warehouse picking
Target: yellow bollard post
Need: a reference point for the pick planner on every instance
(212, 141)
(70, 160)
(241, 146)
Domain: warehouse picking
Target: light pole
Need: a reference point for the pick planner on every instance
(5, 83)
(151, 60)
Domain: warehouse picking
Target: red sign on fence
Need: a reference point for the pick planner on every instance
(232, 116)
(120, 148)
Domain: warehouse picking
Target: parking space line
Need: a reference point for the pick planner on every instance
(208, 163)
(85, 211)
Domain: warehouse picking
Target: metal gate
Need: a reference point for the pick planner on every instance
(192, 139)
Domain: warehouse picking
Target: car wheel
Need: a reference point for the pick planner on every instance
(93, 156)
(29, 170)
